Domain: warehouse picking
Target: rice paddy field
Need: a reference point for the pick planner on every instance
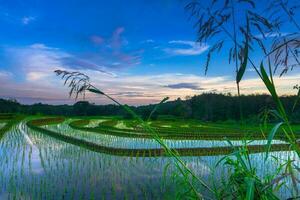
(111, 158)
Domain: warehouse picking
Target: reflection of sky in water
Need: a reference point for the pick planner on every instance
(140, 143)
(36, 166)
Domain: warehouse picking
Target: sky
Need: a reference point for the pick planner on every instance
(136, 51)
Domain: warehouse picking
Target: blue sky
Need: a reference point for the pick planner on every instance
(138, 51)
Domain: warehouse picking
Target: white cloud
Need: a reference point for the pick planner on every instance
(151, 88)
(186, 42)
(5, 74)
(42, 46)
(271, 35)
(27, 19)
(38, 61)
(192, 49)
(137, 89)
(148, 41)
(33, 67)
(34, 62)
(35, 76)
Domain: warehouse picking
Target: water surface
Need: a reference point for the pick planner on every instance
(36, 166)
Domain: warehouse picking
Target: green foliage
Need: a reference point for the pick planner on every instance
(10, 120)
(271, 137)
(243, 181)
(204, 107)
(250, 182)
(156, 107)
(212, 21)
(242, 69)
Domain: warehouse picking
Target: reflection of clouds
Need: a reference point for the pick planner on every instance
(24, 134)
(199, 166)
(74, 168)
(34, 156)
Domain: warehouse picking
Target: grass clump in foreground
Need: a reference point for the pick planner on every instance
(219, 25)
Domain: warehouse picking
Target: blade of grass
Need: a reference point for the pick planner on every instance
(243, 67)
(250, 188)
(157, 106)
(271, 137)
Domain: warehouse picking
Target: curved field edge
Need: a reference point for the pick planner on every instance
(37, 123)
(166, 133)
(10, 120)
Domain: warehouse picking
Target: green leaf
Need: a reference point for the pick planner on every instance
(95, 91)
(270, 86)
(243, 67)
(267, 82)
(157, 106)
(250, 182)
(270, 138)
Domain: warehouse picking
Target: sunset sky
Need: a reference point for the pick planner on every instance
(137, 51)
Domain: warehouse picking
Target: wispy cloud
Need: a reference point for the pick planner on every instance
(148, 41)
(192, 86)
(271, 35)
(76, 63)
(38, 61)
(27, 19)
(191, 48)
(5, 74)
(97, 39)
(117, 40)
(114, 52)
(35, 76)
(138, 89)
(42, 46)
(12, 18)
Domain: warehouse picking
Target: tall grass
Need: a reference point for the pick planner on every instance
(212, 23)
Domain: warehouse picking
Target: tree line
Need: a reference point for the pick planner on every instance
(205, 107)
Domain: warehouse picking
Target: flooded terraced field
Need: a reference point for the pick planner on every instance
(36, 165)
